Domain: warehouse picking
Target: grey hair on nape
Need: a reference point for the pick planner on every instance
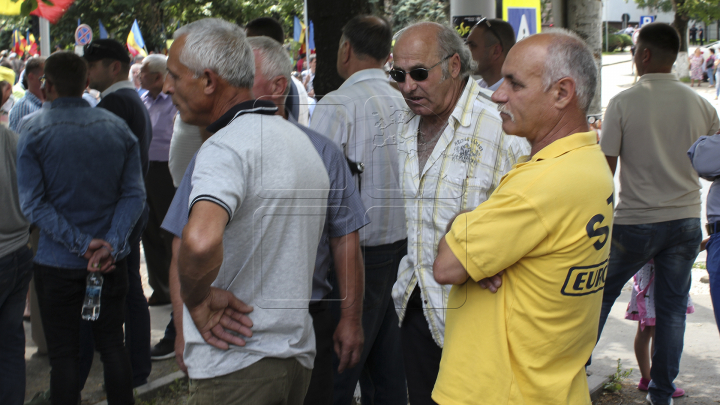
(569, 56)
(275, 60)
(215, 44)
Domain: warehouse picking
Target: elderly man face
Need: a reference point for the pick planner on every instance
(187, 91)
(525, 107)
(418, 48)
(135, 75)
(479, 47)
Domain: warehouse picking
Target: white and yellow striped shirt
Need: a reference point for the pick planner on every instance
(470, 158)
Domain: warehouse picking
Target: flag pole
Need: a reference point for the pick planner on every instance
(307, 33)
(44, 37)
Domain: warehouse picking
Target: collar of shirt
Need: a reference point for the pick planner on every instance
(246, 107)
(65, 102)
(565, 145)
(462, 113)
(33, 98)
(658, 76)
(160, 97)
(123, 84)
(365, 74)
(483, 84)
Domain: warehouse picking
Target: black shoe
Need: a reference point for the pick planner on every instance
(154, 301)
(165, 349)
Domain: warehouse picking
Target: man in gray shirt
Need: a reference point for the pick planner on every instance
(15, 274)
(257, 209)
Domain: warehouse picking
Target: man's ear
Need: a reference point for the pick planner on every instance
(345, 52)
(646, 56)
(211, 81)
(115, 68)
(279, 85)
(497, 51)
(454, 66)
(564, 92)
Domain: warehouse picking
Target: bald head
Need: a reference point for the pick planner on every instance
(571, 58)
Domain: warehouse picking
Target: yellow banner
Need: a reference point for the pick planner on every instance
(7, 7)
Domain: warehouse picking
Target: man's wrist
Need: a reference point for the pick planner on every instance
(194, 299)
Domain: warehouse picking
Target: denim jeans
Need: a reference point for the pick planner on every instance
(713, 268)
(710, 76)
(674, 245)
(15, 274)
(717, 83)
(61, 293)
(380, 370)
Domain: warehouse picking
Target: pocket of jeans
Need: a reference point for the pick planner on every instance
(632, 239)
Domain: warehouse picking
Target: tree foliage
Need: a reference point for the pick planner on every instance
(158, 19)
(405, 12)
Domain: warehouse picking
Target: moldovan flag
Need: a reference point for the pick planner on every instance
(32, 47)
(135, 42)
(18, 43)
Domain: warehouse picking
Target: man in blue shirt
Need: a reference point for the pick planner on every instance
(80, 182)
(33, 98)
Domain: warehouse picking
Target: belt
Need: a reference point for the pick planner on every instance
(713, 227)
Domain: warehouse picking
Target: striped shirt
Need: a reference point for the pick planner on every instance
(467, 164)
(26, 105)
(362, 118)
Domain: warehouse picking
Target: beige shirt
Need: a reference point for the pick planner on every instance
(650, 127)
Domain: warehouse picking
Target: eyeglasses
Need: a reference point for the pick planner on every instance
(417, 74)
(490, 28)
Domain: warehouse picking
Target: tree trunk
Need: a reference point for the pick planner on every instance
(682, 66)
(329, 16)
(584, 17)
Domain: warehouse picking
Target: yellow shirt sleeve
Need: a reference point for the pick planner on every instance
(498, 233)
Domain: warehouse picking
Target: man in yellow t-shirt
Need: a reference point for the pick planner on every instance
(545, 231)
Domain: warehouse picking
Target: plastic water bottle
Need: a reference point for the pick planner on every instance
(91, 304)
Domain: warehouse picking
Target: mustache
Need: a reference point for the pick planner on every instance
(503, 110)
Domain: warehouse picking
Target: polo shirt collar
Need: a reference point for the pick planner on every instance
(365, 74)
(565, 145)
(160, 97)
(123, 84)
(658, 76)
(263, 107)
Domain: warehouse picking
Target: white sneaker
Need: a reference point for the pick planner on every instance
(651, 402)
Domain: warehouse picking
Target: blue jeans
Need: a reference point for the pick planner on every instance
(674, 245)
(710, 75)
(15, 274)
(717, 83)
(380, 370)
(713, 268)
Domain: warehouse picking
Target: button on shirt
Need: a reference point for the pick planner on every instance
(362, 117)
(162, 111)
(465, 167)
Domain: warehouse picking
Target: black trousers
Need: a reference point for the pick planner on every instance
(320, 391)
(156, 241)
(61, 293)
(420, 352)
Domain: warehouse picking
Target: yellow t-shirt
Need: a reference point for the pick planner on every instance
(548, 224)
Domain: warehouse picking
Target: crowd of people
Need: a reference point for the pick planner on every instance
(432, 237)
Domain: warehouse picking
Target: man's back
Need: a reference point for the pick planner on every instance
(266, 173)
(126, 104)
(76, 165)
(650, 127)
(362, 117)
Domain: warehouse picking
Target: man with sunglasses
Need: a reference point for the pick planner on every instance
(108, 71)
(489, 42)
(361, 117)
(452, 154)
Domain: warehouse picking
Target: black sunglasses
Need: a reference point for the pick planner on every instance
(417, 74)
(489, 26)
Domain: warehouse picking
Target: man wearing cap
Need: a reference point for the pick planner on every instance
(108, 70)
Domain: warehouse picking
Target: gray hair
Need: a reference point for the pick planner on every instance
(569, 56)
(275, 61)
(156, 64)
(449, 43)
(215, 44)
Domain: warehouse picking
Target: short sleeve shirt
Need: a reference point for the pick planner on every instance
(548, 225)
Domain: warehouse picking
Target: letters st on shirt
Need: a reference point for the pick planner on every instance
(585, 280)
